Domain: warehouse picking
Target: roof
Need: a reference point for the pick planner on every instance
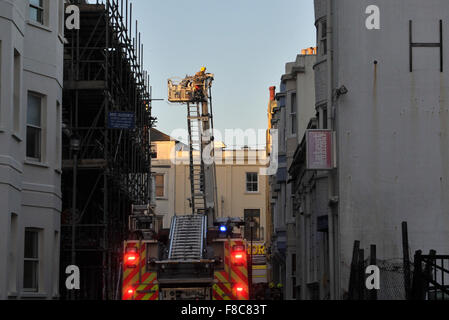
(157, 135)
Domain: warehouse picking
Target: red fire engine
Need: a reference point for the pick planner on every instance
(200, 258)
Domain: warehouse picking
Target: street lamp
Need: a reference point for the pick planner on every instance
(74, 147)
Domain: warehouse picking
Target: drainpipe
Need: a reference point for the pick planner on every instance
(332, 268)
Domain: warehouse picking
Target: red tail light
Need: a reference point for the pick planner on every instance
(239, 290)
(129, 293)
(238, 255)
(131, 258)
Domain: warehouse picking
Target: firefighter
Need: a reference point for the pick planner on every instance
(201, 73)
(198, 84)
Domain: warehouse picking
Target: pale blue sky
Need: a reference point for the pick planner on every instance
(245, 43)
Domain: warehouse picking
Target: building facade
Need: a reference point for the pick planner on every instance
(31, 69)
(295, 107)
(164, 174)
(389, 111)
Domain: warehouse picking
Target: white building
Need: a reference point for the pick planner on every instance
(384, 94)
(31, 67)
(296, 106)
(241, 189)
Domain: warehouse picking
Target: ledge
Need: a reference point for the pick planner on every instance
(17, 137)
(38, 25)
(34, 295)
(62, 39)
(36, 164)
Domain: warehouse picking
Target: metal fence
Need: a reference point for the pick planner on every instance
(430, 277)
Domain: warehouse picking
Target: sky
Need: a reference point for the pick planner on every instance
(245, 43)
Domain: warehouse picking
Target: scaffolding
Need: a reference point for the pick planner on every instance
(106, 144)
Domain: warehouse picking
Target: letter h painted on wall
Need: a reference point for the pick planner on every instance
(426, 45)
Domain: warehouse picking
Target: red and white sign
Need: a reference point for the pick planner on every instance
(319, 150)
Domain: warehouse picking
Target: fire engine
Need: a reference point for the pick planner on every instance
(200, 258)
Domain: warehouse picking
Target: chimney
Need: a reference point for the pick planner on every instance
(272, 93)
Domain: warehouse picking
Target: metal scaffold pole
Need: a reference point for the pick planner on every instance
(111, 171)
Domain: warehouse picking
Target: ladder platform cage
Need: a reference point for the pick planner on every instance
(190, 89)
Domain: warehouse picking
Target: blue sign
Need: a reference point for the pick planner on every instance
(121, 120)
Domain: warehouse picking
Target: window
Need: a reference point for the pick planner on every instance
(160, 185)
(55, 261)
(295, 290)
(34, 129)
(61, 17)
(323, 29)
(13, 254)
(293, 264)
(323, 38)
(324, 118)
(1, 83)
(58, 155)
(31, 261)
(293, 113)
(252, 182)
(16, 92)
(153, 150)
(252, 215)
(37, 11)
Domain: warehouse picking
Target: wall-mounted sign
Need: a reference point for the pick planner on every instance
(319, 150)
(121, 120)
(259, 259)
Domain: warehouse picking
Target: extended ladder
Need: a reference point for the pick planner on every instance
(198, 201)
(187, 237)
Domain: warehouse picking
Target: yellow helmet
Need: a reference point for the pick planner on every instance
(280, 286)
(271, 285)
(203, 69)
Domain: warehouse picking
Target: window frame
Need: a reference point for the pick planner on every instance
(17, 89)
(34, 260)
(13, 256)
(159, 186)
(153, 150)
(39, 128)
(248, 215)
(58, 136)
(39, 9)
(61, 18)
(323, 37)
(247, 182)
(293, 113)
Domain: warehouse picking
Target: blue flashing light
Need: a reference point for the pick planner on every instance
(223, 229)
